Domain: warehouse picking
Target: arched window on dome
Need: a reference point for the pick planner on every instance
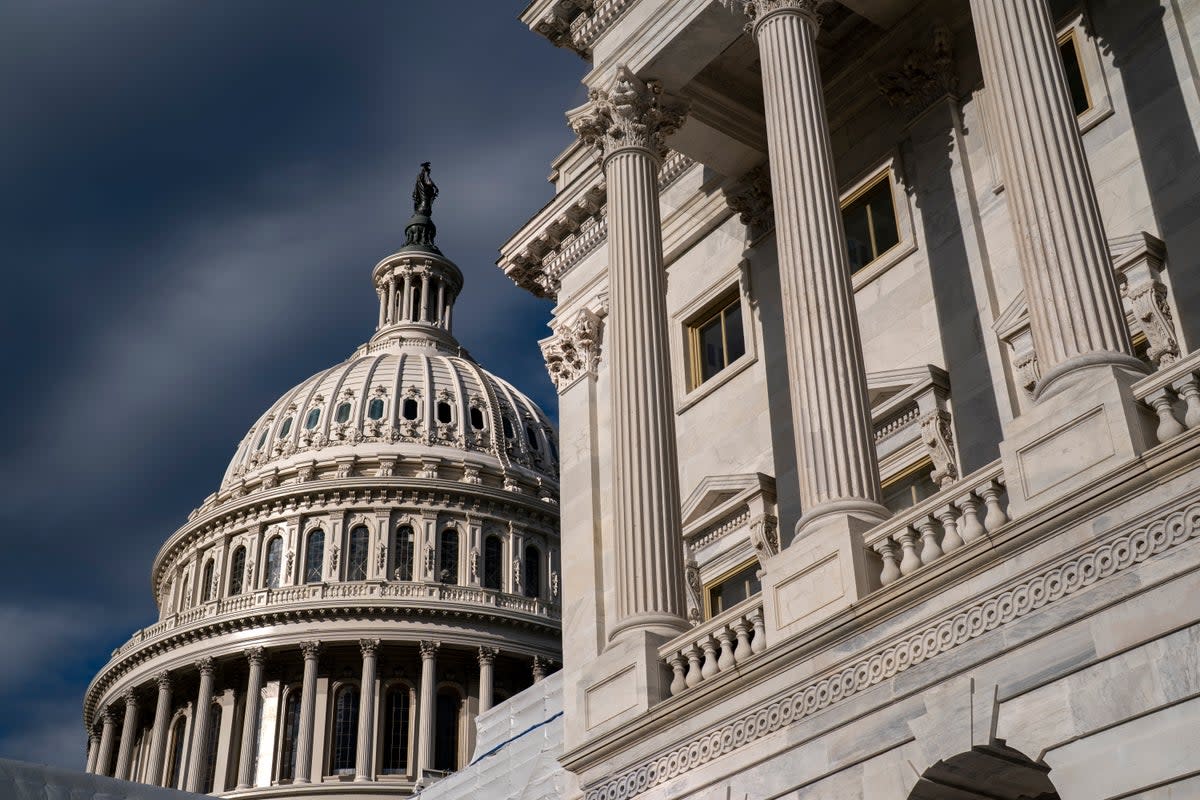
(313, 417)
(508, 428)
(175, 764)
(237, 570)
(532, 437)
(477, 418)
(342, 415)
(533, 571)
(262, 439)
(214, 738)
(345, 729)
(493, 562)
(397, 720)
(445, 414)
(290, 734)
(403, 548)
(375, 408)
(274, 562)
(314, 555)
(411, 410)
(206, 586)
(285, 428)
(449, 723)
(448, 563)
(360, 544)
(185, 593)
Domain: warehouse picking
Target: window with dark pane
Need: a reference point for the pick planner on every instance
(314, 416)
(285, 428)
(533, 571)
(291, 734)
(445, 414)
(477, 418)
(214, 736)
(342, 415)
(262, 439)
(531, 437)
(207, 578)
(314, 556)
(345, 728)
(1068, 50)
(403, 548)
(274, 562)
(375, 408)
(410, 409)
(909, 489)
(716, 340)
(508, 428)
(448, 563)
(732, 589)
(237, 570)
(356, 564)
(493, 562)
(870, 221)
(396, 712)
(446, 740)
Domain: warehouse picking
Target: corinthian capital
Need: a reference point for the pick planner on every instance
(573, 351)
(429, 649)
(758, 10)
(633, 114)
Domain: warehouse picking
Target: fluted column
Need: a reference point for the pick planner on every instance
(107, 732)
(128, 735)
(1075, 312)
(198, 762)
(627, 125)
(255, 657)
(425, 719)
(406, 299)
(487, 666)
(831, 415)
(364, 758)
(158, 736)
(539, 667)
(390, 315)
(93, 752)
(308, 708)
(424, 310)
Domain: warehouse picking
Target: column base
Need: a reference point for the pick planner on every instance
(823, 570)
(619, 685)
(1086, 422)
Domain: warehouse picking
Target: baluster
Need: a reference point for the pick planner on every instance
(742, 628)
(726, 660)
(693, 676)
(678, 684)
(930, 551)
(995, 513)
(1189, 389)
(1168, 426)
(951, 541)
(710, 657)
(891, 566)
(972, 528)
(760, 631)
(911, 562)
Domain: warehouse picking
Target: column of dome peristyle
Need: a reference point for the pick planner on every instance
(158, 735)
(128, 735)
(308, 708)
(366, 713)
(417, 289)
(107, 732)
(627, 125)
(198, 761)
(254, 655)
(1085, 406)
(487, 660)
(426, 711)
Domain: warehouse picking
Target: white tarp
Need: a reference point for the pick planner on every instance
(22, 781)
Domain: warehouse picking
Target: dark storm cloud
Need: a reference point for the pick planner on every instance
(193, 197)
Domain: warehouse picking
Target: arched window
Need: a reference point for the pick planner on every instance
(356, 564)
(175, 765)
(445, 414)
(477, 418)
(214, 738)
(410, 409)
(402, 547)
(262, 439)
(345, 728)
(185, 596)
(397, 710)
(314, 416)
(493, 562)
(274, 562)
(533, 572)
(531, 436)
(285, 428)
(445, 751)
(342, 415)
(314, 556)
(448, 565)
(417, 312)
(375, 408)
(508, 428)
(207, 586)
(291, 734)
(237, 570)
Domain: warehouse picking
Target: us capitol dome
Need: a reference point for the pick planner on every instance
(379, 565)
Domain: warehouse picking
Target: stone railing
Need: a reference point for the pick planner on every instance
(719, 645)
(1174, 395)
(959, 515)
(305, 596)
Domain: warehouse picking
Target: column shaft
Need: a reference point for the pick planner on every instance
(831, 417)
(1074, 308)
(364, 767)
(198, 763)
(128, 737)
(308, 708)
(424, 310)
(107, 733)
(487, 664)
(250, 723)
(406, 300)
(426, 714)
(158, 735)
(93, 752)
(390, 315)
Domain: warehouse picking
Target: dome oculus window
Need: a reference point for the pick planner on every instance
(477, 418)
(410, 409)
(375, 408)
(869, 217)
(342, 415)
(716, 339)
(314, 416)
(285, 428)
(445, 414)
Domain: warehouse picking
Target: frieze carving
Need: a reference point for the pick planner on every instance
(924, 76)
(1064, 578)
(574, 350)
(634, 114)
(937, 434)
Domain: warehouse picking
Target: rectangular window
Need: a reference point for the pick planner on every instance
(869, 216)
(731, 589)
(716, 339)
(909, 488)
(1068, 49)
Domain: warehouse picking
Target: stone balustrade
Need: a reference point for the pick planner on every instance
(1174, 395)
(958, 516)
(719, 645)
(281, 598)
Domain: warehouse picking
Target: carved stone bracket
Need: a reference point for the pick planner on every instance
(764, 536)
(937, 434)
(750, 197)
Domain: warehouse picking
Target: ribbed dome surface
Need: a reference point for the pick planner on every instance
(394, 399)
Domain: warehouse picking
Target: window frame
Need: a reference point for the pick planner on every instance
(1095, 82)
(888, 168)
(883, 176)
(718, 311)
(708, 585)
(924, 465)
(734, 282)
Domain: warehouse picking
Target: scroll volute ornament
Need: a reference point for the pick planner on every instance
(633, 114)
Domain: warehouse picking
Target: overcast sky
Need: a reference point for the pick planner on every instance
(192, 197)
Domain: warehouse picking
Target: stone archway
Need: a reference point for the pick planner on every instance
(986, 772)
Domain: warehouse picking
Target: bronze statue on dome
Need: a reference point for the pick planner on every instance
(425, 192)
